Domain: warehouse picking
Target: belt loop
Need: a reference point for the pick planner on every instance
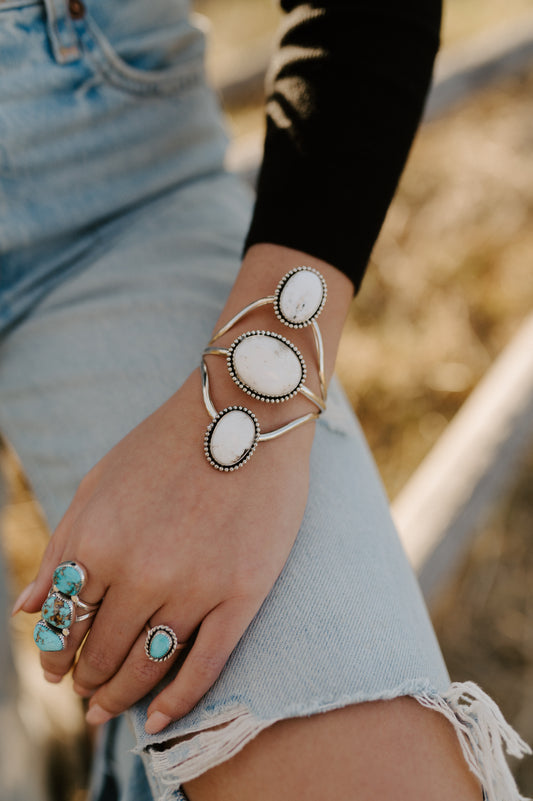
(61, 31)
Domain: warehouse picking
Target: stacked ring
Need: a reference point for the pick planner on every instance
(63, 607)
(161, 643)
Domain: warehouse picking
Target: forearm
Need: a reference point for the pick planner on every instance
(345, 95)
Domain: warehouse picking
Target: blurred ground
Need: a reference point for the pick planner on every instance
(449, 283)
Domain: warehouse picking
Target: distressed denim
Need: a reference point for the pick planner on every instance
(120, 237)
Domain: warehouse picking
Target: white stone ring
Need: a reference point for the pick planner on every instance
(161, 643)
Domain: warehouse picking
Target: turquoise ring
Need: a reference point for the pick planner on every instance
(161, 643)
(69, 578)
(63, 607)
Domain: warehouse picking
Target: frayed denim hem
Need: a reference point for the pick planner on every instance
(481, 729)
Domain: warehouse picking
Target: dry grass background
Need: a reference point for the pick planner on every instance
(449, 283)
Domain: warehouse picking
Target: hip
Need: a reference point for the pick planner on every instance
(103, 105)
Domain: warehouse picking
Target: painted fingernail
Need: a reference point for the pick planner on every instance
(53, 678)
(97, 715)
(156, 722)
(23, 597)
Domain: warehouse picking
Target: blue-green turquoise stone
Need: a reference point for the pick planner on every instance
(46, 638)
(160, 645)
(68, 579)
(57, 611)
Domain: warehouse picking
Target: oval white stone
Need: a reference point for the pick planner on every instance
(232, 437)
(301, 296)
(267, 365)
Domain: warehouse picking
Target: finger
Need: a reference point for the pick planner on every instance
(53, 555)
(57, 663)
(40, 586)
(22, 598)
(137, 676)
(64, 622)
(219, 633)
(116, 628)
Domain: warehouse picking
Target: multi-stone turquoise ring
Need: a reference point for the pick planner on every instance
(63, 607)
(161, 643)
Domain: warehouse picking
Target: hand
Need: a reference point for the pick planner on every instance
(167, 539)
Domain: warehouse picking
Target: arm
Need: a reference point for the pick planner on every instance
(168, 539)
(165, 537)
(345, 94)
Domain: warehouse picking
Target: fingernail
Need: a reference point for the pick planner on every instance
(23, 597)
(156, 722)
(53, 678)
(97, 715)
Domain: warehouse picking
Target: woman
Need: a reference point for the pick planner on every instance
(277, 590)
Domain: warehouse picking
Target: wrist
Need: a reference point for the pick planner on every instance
(262, 268)
(262, 361)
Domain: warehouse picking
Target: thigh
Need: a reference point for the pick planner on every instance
(386, 750)
(111, 342)
(345, 622)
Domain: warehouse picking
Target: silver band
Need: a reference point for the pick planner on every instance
(299, 421)
(85, 605)
(85, 616)
(256, 304)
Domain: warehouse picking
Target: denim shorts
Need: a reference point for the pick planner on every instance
(120, 236)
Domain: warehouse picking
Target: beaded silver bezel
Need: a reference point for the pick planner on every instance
(249, 390)
(150, 636)
(279, 290)
(208, 434)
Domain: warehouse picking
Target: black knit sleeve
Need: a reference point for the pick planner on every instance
(345, 94)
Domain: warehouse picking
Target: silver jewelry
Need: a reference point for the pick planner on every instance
(161, 643)
(231, 437)
(298, 300)
(300, 297)
(266, 366)
(234, 433)
(61, 611)
(63, 607)
(294, 305)
(283, 367)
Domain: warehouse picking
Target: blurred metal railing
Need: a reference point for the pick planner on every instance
(455, 488)
(460, 71)
(470, 66)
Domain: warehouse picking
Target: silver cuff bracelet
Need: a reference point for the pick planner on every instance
(266, 366)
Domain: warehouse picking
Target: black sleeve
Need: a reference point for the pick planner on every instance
(345, 94)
